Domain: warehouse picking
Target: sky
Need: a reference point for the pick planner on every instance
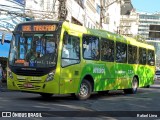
(4, 49)
(150, 6)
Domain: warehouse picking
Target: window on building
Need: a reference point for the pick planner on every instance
(88, 24)
(98, 8)
(80, 2)
(75, 21)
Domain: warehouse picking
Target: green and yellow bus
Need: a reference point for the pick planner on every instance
(58, 57)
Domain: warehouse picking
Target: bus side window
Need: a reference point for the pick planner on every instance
(151, 56)
(121, 52)
(132, 54)
(107, 50)
(142, 56)
(65, 51)
(91, 47)
(70, 50)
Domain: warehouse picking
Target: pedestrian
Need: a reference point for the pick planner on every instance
(1, 76)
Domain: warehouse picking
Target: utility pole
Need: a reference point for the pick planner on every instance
(62, 13)
(101, 12)
(103, 8)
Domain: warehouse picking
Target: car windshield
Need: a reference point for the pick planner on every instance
(33, 50)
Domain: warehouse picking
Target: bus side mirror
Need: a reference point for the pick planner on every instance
(2, 40)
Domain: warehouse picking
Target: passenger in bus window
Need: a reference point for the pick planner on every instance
(50, 47)
(87, 50)
(40, 45)
(65, 53)
(110, 56)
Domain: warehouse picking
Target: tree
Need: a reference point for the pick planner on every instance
(140, 38)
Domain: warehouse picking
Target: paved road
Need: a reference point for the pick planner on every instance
(147, 99)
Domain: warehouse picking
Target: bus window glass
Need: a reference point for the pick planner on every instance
(35, 50)
(107, 50)
(29, 43)
(142, 56)
(22, 48)
(70, 50)
(132, 54)
(151, 56)
(121, 52)
(90, 47)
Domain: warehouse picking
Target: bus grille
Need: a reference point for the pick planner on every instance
(33, 79)
(30, 81)
(35, 87)
(30, 73)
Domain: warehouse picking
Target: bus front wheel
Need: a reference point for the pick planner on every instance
(85, 90)
(134, 88)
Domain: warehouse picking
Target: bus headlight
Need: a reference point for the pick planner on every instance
(50, 77)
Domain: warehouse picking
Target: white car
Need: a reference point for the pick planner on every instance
(157, 75)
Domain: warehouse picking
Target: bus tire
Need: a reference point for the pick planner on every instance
(85, 90)
(46, 95)
(148, 86)
(134, 88)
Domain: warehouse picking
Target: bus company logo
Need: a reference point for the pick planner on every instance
(99, 70)
(6, 114)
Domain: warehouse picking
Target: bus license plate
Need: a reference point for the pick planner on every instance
(28, 85)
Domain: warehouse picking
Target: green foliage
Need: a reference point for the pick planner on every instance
(140, 38)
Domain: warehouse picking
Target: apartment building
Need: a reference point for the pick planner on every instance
(103, 14)
(112, 15)
(145, 20)
(129, 19)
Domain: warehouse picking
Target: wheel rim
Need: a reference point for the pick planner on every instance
(135, 84)
(84, 90)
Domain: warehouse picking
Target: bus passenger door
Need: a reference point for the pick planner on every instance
(70, 64)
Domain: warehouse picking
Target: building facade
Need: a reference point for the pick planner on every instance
(103, 14)
(145, 20)
(129, 20)
(112, 15)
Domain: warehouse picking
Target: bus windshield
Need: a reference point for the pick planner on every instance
(33, 50)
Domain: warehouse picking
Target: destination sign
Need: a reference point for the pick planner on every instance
(39, 28)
